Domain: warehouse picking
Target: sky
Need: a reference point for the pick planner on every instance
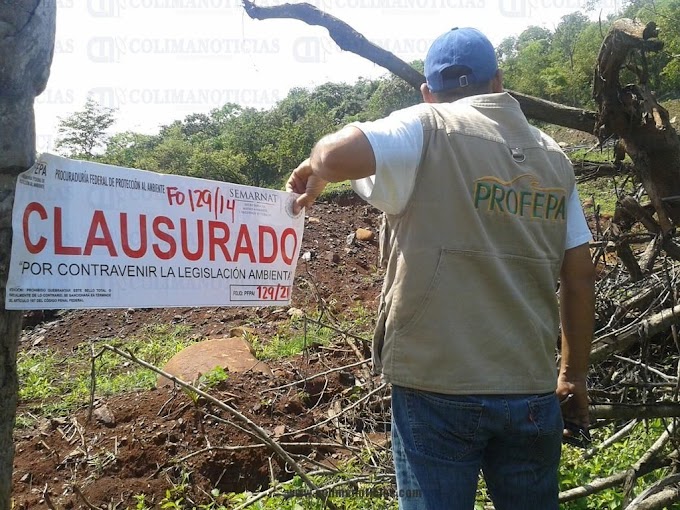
(156, 61)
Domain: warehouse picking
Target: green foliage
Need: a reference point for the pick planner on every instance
(52, 384)
(83, 133)
(261, 147)
(141, 502)
(336, 189)
(258, 147)
(575, 472)
(391, 94)
(295, 494)
(555, 65)
(292, 338)
(213, 378)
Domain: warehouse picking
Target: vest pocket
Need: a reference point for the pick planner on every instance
(408, 310)
(469, 288)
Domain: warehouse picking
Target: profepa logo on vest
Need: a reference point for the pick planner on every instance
(517, 199)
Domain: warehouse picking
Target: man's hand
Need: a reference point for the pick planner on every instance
(573, 397)
(307, 184)
(344, 155)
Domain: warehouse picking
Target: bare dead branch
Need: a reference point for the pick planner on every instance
(314, 376)
(608, 344)
(254, 427)
(631, 411)
(632, 113)
(613, 439)
(660, 495)
(349, 39)
(600, 484)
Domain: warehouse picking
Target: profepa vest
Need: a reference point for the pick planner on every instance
(468, 302)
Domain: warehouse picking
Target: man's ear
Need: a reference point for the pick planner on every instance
(428, 97)
(497, 82)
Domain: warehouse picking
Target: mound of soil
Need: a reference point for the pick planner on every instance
(151, 441)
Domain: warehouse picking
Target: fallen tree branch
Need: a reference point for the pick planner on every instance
(600, 484)
(312, 377)
(344, 36)
(257, 497)
(651, 454)
(255, 446)
(658, 496)
(632, 411)
(632, 113)
(641, 300)
(349, 39)
(586, 169)
(614, 438)
(669, 378)
(348, 408)
(255, 428)
(646, 464)
(611, 343)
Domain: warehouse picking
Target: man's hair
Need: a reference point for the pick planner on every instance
(470, 89)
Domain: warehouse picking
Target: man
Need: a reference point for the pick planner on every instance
(484, 218)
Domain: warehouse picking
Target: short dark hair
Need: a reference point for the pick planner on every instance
(472, 89)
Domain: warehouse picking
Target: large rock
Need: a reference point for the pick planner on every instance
(233, 354)
(363, 234)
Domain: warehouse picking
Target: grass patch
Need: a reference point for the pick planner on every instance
(335, 190)
(55, 384)
(574, 471)
(291, 338)
(603, 192)
(373, 494)
(603, 155)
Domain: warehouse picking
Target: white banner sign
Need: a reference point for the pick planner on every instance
(88, 235)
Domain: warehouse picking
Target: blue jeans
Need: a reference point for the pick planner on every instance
(440, 443)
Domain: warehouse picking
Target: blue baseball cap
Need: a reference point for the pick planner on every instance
(461, 47)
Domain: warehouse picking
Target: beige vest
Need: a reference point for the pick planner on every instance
(468, 303)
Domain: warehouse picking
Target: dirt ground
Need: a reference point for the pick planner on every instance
(133, 445)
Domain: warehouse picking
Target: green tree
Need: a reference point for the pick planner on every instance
(128, 149)
(535, 34)
(391, 95)
(585, 57)
(565, 40)
(217, 165)
(525, 58)
(171, 153)
(251, 134)
(83, 133)
(525, 72)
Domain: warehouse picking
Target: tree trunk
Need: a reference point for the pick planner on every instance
(349, 39)
(632, 114)
(27, 30)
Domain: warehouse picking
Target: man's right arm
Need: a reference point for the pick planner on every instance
(577, 312)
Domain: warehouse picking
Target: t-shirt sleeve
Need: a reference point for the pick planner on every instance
(578, 232)
(397, 143)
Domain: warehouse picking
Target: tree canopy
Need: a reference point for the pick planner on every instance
(260, 147)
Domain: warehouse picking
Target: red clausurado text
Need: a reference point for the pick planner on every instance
(164, 237)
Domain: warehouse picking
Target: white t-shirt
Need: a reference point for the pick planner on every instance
(397, 143)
